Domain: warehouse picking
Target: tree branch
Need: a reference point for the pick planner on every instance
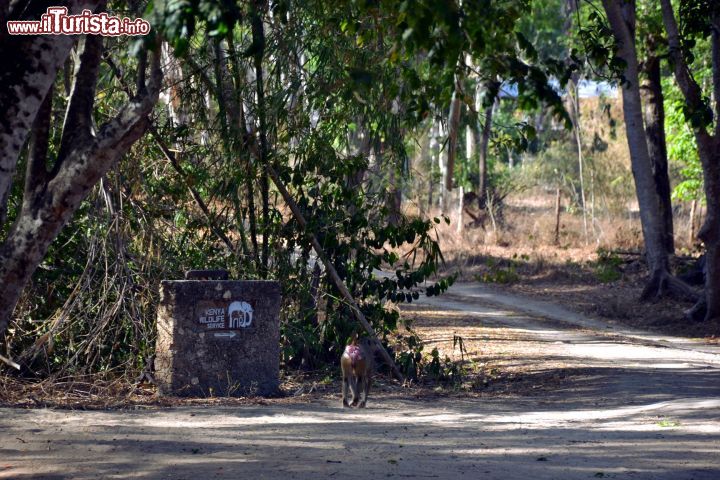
(39, 223)
(685, 81)
(77, 126)
(715, 41)
(172, 159)
(258, 36)
(453, 127)
(330, 268)
(36, 175)
(89, 161)
(141, 80)
(29, 66)
(139, 106)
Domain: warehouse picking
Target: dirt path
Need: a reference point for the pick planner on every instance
(626, 405)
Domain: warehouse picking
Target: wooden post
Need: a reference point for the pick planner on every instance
(691, 237)
(333, 273)
(557, 215)
(459, 226)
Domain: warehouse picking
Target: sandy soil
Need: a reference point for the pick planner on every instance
(583, 399)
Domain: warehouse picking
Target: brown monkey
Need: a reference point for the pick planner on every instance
(356, 364)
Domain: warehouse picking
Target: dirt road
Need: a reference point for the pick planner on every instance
(629, 406)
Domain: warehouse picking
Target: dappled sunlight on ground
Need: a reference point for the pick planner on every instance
(546, 400)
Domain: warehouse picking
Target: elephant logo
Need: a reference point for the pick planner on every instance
(240, 315)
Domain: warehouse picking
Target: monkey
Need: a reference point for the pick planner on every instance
(356, 364)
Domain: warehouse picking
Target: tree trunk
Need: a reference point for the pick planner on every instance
(453, 134)
(691, 231)
(51, 197)
(432, 149)
(258, 36)
(708, 150)
(459, 226)
(243, 127)
(654, 113)
(709, 233)
(429, 193)
(420, 161)
(621, 16)
(394, 196)
(30, 64)
(442, 157)
(470, 134)
(575, 103)
(558, 198)
(361, 143)
(482, 156)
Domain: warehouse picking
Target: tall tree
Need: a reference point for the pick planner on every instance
(701, 18)
(483, 146)
(622, 20)
(30, 65)
(55, 184)
(654, 118)
(654, 46)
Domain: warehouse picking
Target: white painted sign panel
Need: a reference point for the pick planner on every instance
(236, 315)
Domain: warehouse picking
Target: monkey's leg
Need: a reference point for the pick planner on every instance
(366, 390)
(355, 387)
(345, 392)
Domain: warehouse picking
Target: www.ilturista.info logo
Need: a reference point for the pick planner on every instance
(57, 22)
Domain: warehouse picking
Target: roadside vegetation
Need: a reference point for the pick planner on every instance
(493, 142)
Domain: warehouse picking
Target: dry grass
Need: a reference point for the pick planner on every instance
(521, 257)
(490, 367)
(528, 226)
(527, 229)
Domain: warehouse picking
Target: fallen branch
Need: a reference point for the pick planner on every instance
(9, 362)
(300, 219)
(168, 154)
(333, 273)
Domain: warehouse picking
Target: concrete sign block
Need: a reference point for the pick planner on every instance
(218, 338)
